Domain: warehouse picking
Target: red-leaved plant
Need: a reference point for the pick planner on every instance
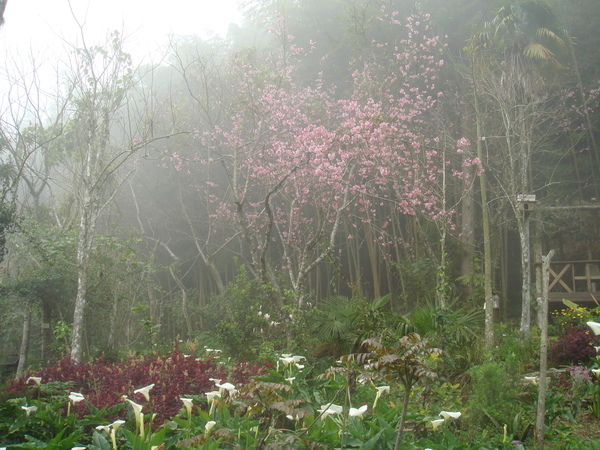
(575, 345)
(174, 376)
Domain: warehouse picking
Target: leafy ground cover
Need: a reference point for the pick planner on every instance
(287, 405)
(398, 390)
(172, 376)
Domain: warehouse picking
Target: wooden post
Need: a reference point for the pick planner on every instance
(543, 385)
(537, 263)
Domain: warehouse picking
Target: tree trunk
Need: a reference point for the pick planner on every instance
(487, 248)
(24, 349)
(112, 338)
(468, 240)
(84, 247)
(526, 277)
(504, 263)
(46, 330)
(373, 261)
(400, 430)
(354, 263)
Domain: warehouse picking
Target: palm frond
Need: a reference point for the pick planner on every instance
(539, 52)
(549, 35)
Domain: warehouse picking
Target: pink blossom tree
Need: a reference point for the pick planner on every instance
(297, 160)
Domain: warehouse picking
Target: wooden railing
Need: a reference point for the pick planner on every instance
(575, 280)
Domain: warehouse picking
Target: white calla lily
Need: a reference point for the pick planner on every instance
(595, 326)
(145, 391)
(210, 396)
(116, 424)
(139, 417)
(226, 387)
(286, 360)
(188, 403)
(380, 390)
(113, 432)
(328, 409)
(532, 380)
(76, 397)
(209, 426)
(29, 409)
(450, 414)
(36, 380)
(105, 428)
(436, 423)
(357, 412)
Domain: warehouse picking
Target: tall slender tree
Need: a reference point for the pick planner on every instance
(95, 146)
(522, 45)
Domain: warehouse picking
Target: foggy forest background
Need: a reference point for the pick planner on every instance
(324, 155)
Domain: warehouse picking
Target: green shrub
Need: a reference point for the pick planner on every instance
(244, 317)
(519, 355)
(340, 323)
(494, 398)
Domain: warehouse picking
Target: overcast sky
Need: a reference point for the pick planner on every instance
(41, 24)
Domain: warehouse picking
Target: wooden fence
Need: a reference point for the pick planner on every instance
(578, 281)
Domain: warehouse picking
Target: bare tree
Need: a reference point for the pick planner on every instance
(97, 142)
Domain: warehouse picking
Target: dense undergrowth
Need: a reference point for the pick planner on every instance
(420, 382)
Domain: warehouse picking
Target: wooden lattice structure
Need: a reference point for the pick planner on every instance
(578, 281)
